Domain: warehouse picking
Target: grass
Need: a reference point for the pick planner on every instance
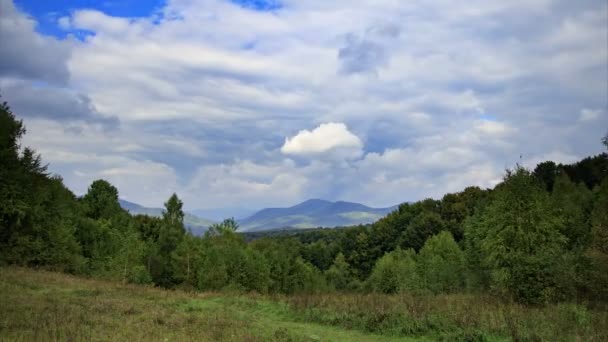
(46, 306)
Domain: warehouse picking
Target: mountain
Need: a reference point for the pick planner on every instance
(218, 214)
(313, 213)
(197, 224)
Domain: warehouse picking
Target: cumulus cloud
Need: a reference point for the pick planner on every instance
(324, 138)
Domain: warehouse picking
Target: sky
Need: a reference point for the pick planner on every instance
(266, 103)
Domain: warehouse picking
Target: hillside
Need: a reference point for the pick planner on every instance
(313, 213)
(197, 224)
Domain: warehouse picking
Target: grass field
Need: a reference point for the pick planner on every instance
(46, 306)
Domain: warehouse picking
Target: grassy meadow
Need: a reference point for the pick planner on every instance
(46, 306)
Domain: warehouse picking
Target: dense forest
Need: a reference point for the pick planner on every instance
(539, 236)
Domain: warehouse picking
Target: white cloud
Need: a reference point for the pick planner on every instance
(440, 94)
(492, 128)
(326, 137)
(589, 115)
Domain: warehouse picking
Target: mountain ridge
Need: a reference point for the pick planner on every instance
(313, 213)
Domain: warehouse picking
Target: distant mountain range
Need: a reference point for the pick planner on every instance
(218, 214)
(198, 225)
(309, 214)
(313, 213)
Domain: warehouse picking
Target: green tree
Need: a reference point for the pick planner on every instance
(101, 200)
(227, 226)
(170, 235)
(423, 226)
(38, 214)
(574, 203)
(186, 257)
(339, 275)
(595, 271)
(546, 172)
(441, 264)
(521, 243)
(395, 272)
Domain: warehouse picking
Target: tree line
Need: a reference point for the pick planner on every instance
(538, 236)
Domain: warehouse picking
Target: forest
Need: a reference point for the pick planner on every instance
(537, 238)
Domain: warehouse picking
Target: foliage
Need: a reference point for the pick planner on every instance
(441, 264)
(339, 275)
(396, 272)
(520, 241)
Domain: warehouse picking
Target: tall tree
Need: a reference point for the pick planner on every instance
(101, 200)
(520, 240)
(339, 275)
(546, 172)
(171, 233)
(441, 264)
(395, 272)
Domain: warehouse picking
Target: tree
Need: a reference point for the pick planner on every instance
(395, 272)
(170, 235)
(423, 226)
(101, 200)
(441, 264)
(520, 241)
(186, 257)
(228, 226)
(455, 208)
(595, 272)
(546, 172)
(339, 275)
(574, 203)
(37, 212)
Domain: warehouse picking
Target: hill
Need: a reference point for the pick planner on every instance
(313, 213)
(197, 224)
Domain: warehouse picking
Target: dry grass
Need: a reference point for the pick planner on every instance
(454, 317)
(47, 306)
(44, 306)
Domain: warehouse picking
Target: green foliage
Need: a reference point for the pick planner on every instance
(591, 170)
(546, 172)
(595, 267)
(226, 262)
(520, 241)
(101, 201)
(37, 213)
(441, 264)
(186, 257)
(396, 272)
(170, 235)
(573, 203)
(228, 226)
(339, 275)
(426, 223)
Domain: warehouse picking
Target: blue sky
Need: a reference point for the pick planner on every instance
(247, 104)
